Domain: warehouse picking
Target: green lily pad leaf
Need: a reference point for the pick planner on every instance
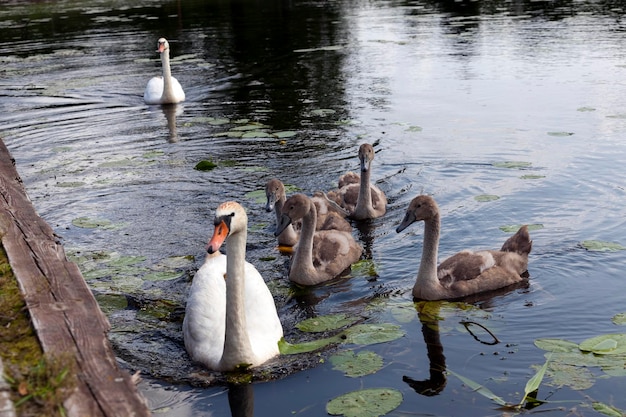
(256, 134)
(59, 149)
(251, 126)
(287, 348)
(532, 177)
(214, 121)
(229, 134)
(369, 334)
(364, 267)
(483, 198)
(616, 116)
(97, 273)
(70, 184)
(619, 319)
(126, 260)
(365, 403)
(162, 275)
(326, 323)
(126, 283)
(485, 392)
(512, 164)
(257, 195)
(285, 134)
(322, 112)
(513, 228)
(600, 246)
(356, 365)
(403, 312)
(560, 134)
(414, 129)
(89, 223)
(608, 410)
(556, 345)
(111, 302)
(152, 154)
(607, 344)
(576, 377)
(173, 262)
(205, 166)
(585, 109)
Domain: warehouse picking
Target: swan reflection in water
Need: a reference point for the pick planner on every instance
(241, 400)
(170, 111)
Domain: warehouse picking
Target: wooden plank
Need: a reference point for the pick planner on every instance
(64, 312)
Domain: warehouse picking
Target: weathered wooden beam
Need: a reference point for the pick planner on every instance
(64, 312)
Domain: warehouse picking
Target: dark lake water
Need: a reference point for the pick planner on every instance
(507, 112)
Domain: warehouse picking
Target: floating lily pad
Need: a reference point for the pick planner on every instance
(172, 262)
(254, 134)
(326, 323)
(619, 319)
(322, 112)
(90, 223)
(414, 129)
(560, 134)
(513, 228)
(600, 246)
(257, 195)
(111, 302)
(556, 345)
(607, 344)
(512, 164)
(126, 260)
(532, 177)
(365, 403)
(563, 374)
(70, 184)
(369, 334)
(205, 165)
(162, 275)
(152, 154)
(287, 348)
(214, 121)
(356, 365)
(483, 198)
(585, 109)
(251, 126)
(365, 267)
(285, 134)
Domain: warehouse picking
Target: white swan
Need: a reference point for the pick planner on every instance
(466, 272)
(230, 317)
(320, 255)
(164, 89)
(361, 199)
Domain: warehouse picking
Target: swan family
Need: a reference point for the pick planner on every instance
(231, 320)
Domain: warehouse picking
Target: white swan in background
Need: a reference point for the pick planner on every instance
(466, 272)
(164, 89)
(355, 194)
(230, 317)
(320, 255)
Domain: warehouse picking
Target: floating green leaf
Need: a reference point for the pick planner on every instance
(356, 365)
(513, 228)
(608, 410)
(532, 177)
(287, 348)
(70, 184)
(556, 345)
(111, 302)
(619, 319)
(326, 323)
(257, 195)
(485, 392)
(483, 198)
(152, 154)
(322, 112)
(607, 344)
(162, 275)
(585, 109)
(365, 403)
(251, 126)
(414, 129)
(600, 246)
(126, 260)
(365, 267)
(369, 334)
(512, 164)
(285, 134)
(576, 377)
(90, 223)
(205, 165)
(256, 134)
(560, 134)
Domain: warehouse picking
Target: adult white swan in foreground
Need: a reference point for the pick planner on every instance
(230, 318)
(319, 256)
(466, 272)
(361, 199)
(164, 89)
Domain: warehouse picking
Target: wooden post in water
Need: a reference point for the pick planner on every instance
(64, 312)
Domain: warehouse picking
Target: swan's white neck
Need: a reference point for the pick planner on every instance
(168, 91)
(237, 348)
(302, 267)
(427, 274)
(364, 208)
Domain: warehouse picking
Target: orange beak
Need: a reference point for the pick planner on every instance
(161, 48)
(219, 236)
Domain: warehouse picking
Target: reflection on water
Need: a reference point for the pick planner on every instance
(520, 100)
